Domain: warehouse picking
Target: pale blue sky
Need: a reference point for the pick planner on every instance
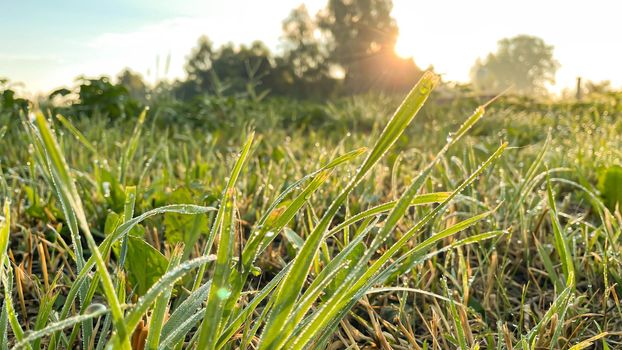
(46, 44)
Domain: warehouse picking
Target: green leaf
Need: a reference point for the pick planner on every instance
(144, 263)
(79, 136)
(610, 186)
(183, 228)
(111, 189)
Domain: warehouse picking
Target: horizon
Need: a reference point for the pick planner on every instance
(46, 53)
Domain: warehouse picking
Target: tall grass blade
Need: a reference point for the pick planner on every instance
(161, 305)
(142, 305)
(220, 290)
(68, 195)
(561, 240)
(334, 308)
(94, 312)
(233, 177)
(289, 289)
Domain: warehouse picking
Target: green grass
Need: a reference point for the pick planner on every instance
(432, 227)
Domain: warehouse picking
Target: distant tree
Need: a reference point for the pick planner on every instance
(304, 63)
(10, 105)
(302, 45)
(241, 69)
(134, 84)
(598, 87)
(227, 70)
(98, 96)
(362, 42)
(198, 67)
(524, 62)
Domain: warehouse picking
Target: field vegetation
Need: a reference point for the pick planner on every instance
(233, 223)
(331, 195)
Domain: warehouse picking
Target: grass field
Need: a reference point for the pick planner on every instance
(350, 224)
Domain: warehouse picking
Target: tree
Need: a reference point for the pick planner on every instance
(241, 69)
(134, 84)
(197, 68)
(524, 62)
(304, 63)
(228, 70)
(97, 96)
(362, 42)
(301, 45)
(11, 106)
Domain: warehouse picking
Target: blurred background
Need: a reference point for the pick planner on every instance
(313, 49)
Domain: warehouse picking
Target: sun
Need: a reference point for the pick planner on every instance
(403, 47)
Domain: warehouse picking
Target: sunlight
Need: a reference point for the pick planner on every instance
(403, 48)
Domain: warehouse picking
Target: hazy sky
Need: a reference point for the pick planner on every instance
(46, 44)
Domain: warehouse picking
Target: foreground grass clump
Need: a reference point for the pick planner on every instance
(150, 241)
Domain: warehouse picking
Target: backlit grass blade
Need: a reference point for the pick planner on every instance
(128, 214)
(287, 293)
(243, 315)
(142, 305)
(418, 255)
(60, 325)
(4, 326)
(177, 334)
(233, 177)
(72, 207)
(549, 266)
(561, 243)
(4, 234)
(332, 164)
(275, 220)
(524, 187)
(328, 331)
(398, 123)
(123, 229)
(78, 135)
(399, 209)
(342, 299)
(422, 199)
(558, 306)
(274, 224)
(184, 311)
(343, 262)
(462, 342)
(161, 305)
(7, 283)
(46, 304)
(47, 157)
(131, 146)
(220, 290)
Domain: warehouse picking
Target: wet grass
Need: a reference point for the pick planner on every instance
(443, 227)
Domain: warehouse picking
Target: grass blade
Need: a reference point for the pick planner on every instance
(140, 308)
(287, 293)
(74, 211)
(161, 304)
(220, 291)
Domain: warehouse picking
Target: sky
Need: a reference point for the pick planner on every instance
(50, 43)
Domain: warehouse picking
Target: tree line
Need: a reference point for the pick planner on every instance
(346, 48)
